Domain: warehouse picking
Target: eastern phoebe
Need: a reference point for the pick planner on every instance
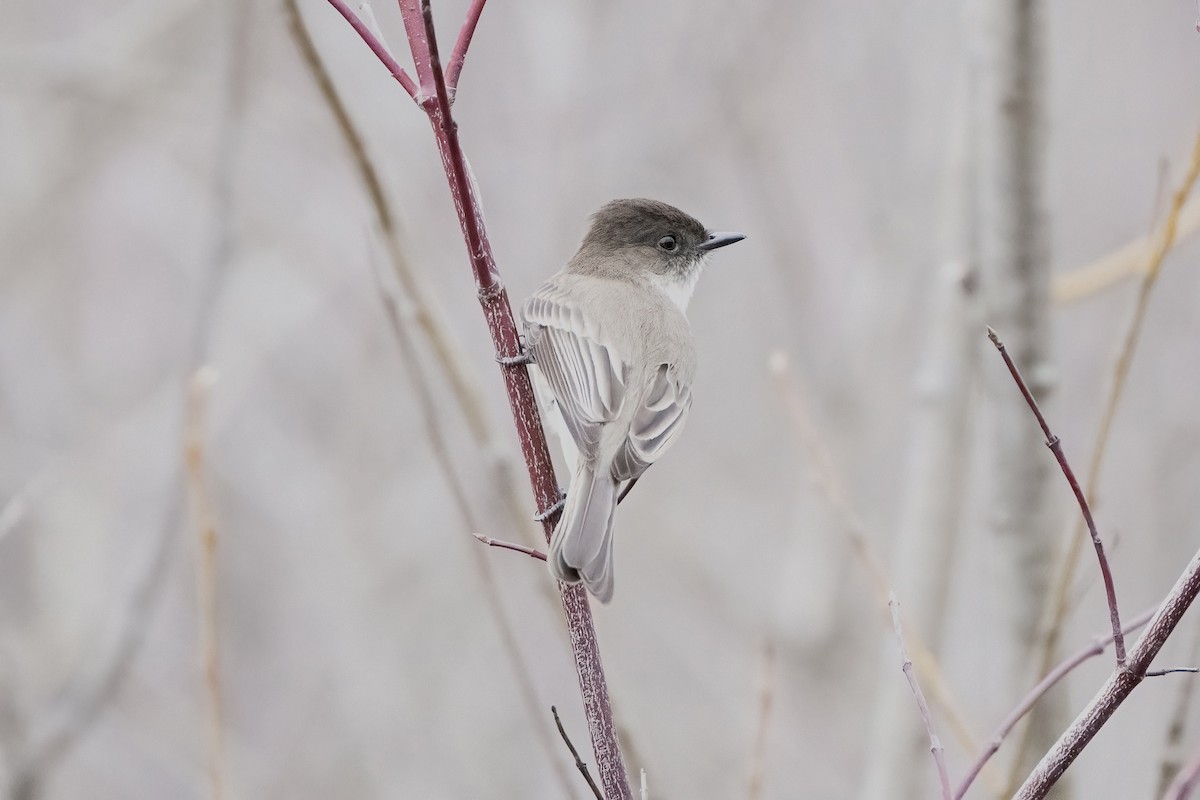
(615, 362)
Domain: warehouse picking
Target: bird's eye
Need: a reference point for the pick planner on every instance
(668, 243)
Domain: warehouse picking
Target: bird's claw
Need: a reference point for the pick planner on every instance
(545, 514)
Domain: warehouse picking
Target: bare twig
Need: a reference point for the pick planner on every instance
(1158, 673)
(582, 767)
(1055, 445)
(377, 47)
(529, 551)
(1058, 673)
(434, 100)
(459, 54)
(1120, 684)
(935, 744)
(758, 756)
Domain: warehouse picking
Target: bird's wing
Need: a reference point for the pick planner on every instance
(657, 421)
(586, 375)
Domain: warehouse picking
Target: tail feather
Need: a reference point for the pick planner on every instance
(581, 548)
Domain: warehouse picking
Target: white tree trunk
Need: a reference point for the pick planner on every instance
(1016, 280)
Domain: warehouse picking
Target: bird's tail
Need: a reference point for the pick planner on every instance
(581, 548)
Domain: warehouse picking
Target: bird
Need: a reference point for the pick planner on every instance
(613, 360)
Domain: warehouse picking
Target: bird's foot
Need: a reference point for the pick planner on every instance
(522, 358)
(545, 514)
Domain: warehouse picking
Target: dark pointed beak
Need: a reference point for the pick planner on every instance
(720, 239)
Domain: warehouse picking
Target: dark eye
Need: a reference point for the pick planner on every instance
(668, 243)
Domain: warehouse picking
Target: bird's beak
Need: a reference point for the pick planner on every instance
(720, 239)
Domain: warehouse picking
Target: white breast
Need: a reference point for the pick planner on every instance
(679, 289)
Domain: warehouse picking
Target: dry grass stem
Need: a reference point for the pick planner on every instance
(205, 529)
(828, 483)
(758, 756)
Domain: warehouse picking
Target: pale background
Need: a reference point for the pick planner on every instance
(153, 219)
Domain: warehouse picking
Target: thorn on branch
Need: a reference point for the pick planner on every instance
(582, 767)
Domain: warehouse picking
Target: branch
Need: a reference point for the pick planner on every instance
(1120, 684)
(582, 767)
(1055, 445)
(377, 47)
(1058, 673)
(434, 100)
(935, 744)
(529, 551)
(460, 47)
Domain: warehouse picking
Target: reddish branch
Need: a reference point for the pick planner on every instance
(1053, 677)
(520, 548)
(1119, 685)
(432, 91)
(1055, 445)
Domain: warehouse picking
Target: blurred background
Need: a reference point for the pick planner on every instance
(257, 579)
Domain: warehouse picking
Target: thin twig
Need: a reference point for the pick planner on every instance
(377, 47)
(1058, 673)
(459, 54)
(1119, 685)
(1055, 445)
(758, 756)
(935, 744)
(1158, 673)
(582, 767)
(205, 529)
(529, 551)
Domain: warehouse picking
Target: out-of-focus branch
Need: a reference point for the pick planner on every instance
(434, 99)
(1058, 673)
(1173, 754)
(935, 744)
(1118, 686)
(1126, 262)
(766, 699)
(854, 530)
(88, 690)
(1014, 249)
(1055, 445)
(1188, 779)
(923, 551)
(205, 528)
